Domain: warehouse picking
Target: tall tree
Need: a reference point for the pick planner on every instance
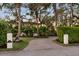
(18, 15)
(36, 8)
(17, 8)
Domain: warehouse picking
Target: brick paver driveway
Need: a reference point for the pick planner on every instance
(44, 47)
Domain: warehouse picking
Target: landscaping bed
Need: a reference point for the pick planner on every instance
(42, 31)
(65, 45)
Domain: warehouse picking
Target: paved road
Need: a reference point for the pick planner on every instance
(44, 47)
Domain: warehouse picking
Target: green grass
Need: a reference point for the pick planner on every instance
(18, 45)
(21, 45)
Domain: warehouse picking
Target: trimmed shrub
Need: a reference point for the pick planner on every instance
(14, 30)
(4, 29)
(28, 30)
(23, 28)
(34, 29)
(43, 31)
(52, 31)
(73, 33)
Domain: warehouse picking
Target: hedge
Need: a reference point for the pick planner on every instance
(73, 33)
(29, 31)
(14, 30)
(4, 29)
(43, 31)
(34, 29)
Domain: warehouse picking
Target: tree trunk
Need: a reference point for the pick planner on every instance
(72, 10)
(40, 17)
(37, 19)
(55, 11)
(56, 15)
(18, 20)
(71, 14)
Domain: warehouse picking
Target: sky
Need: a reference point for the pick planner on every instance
(23, 12)
(5, 12)
(26, 10)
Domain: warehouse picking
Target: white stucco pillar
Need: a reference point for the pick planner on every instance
(66, 39)
(9, 40)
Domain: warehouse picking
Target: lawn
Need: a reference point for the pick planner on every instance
(22, 44)
(18, 45)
